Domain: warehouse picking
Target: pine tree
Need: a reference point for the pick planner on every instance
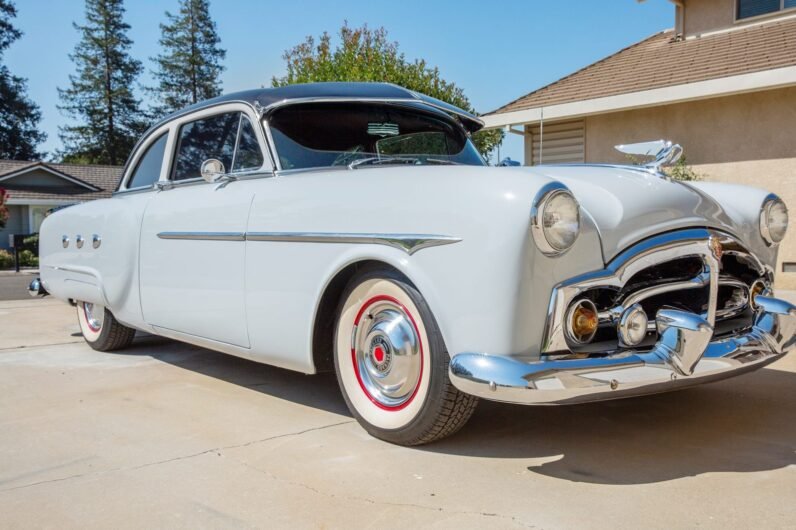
(19, 117)
(188, 70)
(100, 96)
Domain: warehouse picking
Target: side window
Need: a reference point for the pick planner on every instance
(212, 137)
(248, 155)
(753, 8)
(147, 172)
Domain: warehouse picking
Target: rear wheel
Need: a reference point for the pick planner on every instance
(100, 329)
(392, 364)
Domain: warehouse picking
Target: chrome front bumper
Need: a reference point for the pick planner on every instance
(683, 356)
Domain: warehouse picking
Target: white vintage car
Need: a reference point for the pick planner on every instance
(354, 227)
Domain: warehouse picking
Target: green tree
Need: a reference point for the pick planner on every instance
(189, 68)
(19, 117)
(364, 54)
(100, 96)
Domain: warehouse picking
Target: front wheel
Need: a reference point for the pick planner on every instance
(392, 364)
(100, 329)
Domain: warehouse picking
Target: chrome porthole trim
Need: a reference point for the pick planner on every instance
(540, 202)
(96, 241)
(765, 230)
(79, 241)
(65, 241)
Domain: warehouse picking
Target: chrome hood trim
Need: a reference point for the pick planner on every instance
(629, 205)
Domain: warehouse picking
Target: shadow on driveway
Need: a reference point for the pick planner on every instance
(738, 425)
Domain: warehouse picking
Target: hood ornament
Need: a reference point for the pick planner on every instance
(665, 153)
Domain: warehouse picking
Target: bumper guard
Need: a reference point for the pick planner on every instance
(683, 356)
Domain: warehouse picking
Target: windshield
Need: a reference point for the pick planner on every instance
(313, 135)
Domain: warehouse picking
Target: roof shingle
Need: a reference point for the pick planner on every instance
(659, 61)
(106, 178)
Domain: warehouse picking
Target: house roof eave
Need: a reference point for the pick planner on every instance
(711, 88)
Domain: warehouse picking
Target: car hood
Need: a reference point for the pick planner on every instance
(628, 204)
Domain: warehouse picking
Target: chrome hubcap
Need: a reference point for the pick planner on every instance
(387, 352)
(95, 315)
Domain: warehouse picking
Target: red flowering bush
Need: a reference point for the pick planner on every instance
(3, 208)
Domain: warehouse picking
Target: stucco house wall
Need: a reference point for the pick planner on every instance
(748, 139)
(708, 15)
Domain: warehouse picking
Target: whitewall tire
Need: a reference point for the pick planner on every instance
(391, 362)
(100, 329)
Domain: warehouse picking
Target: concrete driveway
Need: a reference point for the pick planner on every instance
(169, 435)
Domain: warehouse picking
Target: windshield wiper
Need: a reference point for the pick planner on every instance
(442, 161)
(376, 160)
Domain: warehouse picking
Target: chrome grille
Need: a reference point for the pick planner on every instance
(671, 271)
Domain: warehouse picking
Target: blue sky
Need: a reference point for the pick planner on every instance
(496, 51)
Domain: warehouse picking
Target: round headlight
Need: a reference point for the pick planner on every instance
(773, 220)
(556, 220)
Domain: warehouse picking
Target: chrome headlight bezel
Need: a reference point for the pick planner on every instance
(772, 238)
(540, 203)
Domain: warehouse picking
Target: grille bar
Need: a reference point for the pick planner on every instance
(694, 243)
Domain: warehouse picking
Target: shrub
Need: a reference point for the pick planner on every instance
(6, 259)
(28, 259)
(682, 171)
(31, 241)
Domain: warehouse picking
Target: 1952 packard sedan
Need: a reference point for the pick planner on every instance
(354, 227)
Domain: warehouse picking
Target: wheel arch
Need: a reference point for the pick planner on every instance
(325, 317)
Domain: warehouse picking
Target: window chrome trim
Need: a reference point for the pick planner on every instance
(409, 243)
(241, 107)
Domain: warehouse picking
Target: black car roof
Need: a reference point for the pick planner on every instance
(267, 99)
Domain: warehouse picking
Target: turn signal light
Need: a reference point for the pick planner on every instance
(583, 321)
(758, 287)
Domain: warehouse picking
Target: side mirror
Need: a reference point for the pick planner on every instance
(212, 169)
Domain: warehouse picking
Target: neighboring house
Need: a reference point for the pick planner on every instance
(36, 187)
(722, 84)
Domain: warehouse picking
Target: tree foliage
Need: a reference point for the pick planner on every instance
(364, 54)
(19, 117)
(100, 96)
(188, 70)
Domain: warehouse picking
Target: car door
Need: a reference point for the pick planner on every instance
(193, 233)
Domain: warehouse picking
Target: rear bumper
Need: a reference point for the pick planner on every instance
(684, 356)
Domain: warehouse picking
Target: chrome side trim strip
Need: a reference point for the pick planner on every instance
(204, 236)
(409, 243)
